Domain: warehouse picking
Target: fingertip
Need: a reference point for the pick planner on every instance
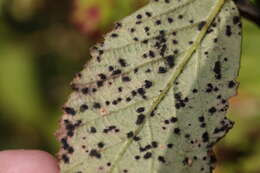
(27, 161)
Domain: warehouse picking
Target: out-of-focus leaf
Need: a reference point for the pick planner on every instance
(250, 61)
(13, 95)
(91, 16)
(154, 96)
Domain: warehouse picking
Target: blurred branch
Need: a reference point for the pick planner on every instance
(249, 11)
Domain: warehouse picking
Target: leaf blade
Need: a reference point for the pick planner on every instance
(154, 97)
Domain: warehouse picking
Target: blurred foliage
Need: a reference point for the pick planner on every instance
(44, 42)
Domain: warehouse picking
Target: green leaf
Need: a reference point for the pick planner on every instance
(154, 96)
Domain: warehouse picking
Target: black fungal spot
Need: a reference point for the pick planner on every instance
(148, 70)
(148, 14)
(135, 39)
(231, 84)
(114, 102)
(122, 62)
(201, 119)
(212, 110)
(102, 76)
(93, 130)
(166, 122)
(162, 70)
(228, 30)
(100, 83)
(120, 89)
(151, 54)
(162, 33)
(177, 131)
(179, 101)
(185, 161)
(195, 91)
(133, 93)
(128, 99)
(110, 68)
(174, 41)
(152, 114)
(205, 137)
(70, 128)
(107, 103)
(116, 72)
(95, 153)
(64, 143)
(148, 84)
(169, 145)
(100, 145)
(154, 144)
(217, 70)
(140, 109)
(83, 108)
(161, 159)
(114, 35)
(138, 22)
(69, 110)
(201, 25)
(137, 157)
(105, 131)
(209, 88)
(96, 105)
(174, 120)
(180, 16)
(136, 138)
(98, 59)
(170, 20)
(146, 29)
(126, 79)
(145, 41)
(65, 158)
(170, 61)
(130, 134)
(101, 51)
(158, 22)
(139, 16)
(141, 91)
(148, 155)
(140, 119)
(132, 30)
(118, 25)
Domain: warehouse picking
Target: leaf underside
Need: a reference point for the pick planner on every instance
(154, 96)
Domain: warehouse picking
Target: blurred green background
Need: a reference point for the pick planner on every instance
(43, 43)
